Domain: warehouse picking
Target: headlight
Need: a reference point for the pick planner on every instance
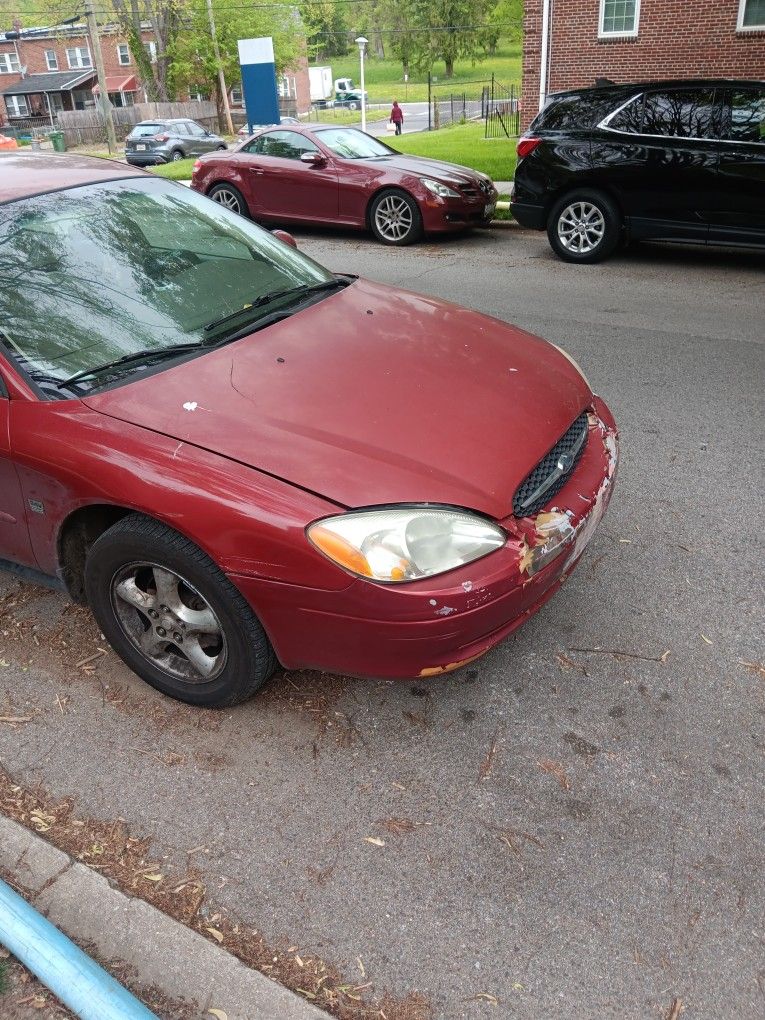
(568, 358)
(439, 189)
(405, 544)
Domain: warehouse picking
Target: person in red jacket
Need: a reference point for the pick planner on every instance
(397, 117)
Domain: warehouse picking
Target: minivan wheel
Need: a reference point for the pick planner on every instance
(584, 226)
(174, 617)
(230, 197)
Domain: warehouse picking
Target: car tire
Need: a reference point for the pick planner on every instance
(584, 226)
(222, 148)
(174, 617)
(177, 155)
(395, 218)
(229, 197)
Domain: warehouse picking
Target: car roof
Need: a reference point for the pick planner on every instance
(673, 83)
(23, 174)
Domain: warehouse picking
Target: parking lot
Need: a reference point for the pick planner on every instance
(573, 825)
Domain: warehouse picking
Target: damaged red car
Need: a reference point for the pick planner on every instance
(240, 459)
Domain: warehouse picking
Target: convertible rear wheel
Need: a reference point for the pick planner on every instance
(395, 218)
(230, 197)
(174, 617)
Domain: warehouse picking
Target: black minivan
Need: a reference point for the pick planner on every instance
(674, 160)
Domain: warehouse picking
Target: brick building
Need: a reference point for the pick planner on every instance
(570, 43)
(47, 70)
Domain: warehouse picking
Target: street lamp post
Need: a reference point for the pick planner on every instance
(361, 42)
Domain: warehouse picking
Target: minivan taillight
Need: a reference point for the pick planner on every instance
(161, 138)
(526, 146)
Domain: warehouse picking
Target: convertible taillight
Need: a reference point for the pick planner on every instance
(526, 146)
(197, 164)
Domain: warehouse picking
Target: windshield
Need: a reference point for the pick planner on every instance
(352, 144)
(93, 274)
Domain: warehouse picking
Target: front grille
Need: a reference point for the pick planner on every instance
(572, 445)
(469, 191)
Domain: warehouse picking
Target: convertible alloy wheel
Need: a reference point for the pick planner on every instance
(227, 196)
(395, 218)
(581, 227)
(169, 622)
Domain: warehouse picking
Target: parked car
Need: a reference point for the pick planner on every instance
(341, 176)
(165, 141)
(672, 161)
(244, 131)
(237, 457)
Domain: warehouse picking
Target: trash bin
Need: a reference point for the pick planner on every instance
(57, 137)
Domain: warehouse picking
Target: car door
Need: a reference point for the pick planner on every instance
(284, 187)
(15, 544)
(201, 140)
(660, 152)
(739, 212)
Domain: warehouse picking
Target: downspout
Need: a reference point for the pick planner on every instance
(545, 61)
(71, 975)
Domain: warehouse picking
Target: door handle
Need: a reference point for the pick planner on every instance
(256, 170)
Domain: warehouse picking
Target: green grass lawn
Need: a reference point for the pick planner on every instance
(384, 79)
(465, 145)
(180, 171)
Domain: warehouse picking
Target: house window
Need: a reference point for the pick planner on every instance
(619, 18)
(51, 60)
(78, 56)
(236, 95)
(17, 106)
(9, 63)
(123, 54)
(151, 49)
(751, 15)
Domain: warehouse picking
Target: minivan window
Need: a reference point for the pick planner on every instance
(681, 113)
(747, 115)
(568, 113)
(629, 118)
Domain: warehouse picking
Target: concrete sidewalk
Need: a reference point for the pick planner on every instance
(165, 955)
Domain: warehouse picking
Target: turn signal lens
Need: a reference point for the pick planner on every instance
(405, 543)
(526, 146)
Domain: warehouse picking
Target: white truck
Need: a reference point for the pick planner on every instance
(322, 86)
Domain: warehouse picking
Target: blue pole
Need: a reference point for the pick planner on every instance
(70, 974)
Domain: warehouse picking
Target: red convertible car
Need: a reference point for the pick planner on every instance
(340, 176)
(237, 457)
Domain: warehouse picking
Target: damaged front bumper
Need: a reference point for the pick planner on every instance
(437, 625)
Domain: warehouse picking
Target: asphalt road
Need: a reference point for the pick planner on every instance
(574, 833)
(415, 119)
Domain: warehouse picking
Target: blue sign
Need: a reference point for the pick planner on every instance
(261, 98)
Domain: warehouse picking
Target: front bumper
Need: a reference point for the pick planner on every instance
(436, 625)
(443, 215)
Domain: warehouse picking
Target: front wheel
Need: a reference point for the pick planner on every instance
(395, 218)
(174, 617)
(584, 226)
(230, 197)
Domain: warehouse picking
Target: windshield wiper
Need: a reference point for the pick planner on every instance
(275, 295)
(137, 357)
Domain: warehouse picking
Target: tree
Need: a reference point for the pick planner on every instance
(165, 18)
(326, 28)
(192, 60)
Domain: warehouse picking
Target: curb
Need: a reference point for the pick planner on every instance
(165, 954)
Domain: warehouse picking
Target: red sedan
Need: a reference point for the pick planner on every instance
(238, 458)
(340, 176)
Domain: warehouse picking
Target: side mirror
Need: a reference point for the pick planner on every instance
(285, 238)
(314, 158)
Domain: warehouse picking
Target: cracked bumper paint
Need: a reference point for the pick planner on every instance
(433, 626)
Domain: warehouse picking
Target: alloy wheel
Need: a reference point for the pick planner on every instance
(169, 622)
(581, 227)
(228, 199)
(393, 218)
(177, 156)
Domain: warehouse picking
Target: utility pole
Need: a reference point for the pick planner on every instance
(221, 76)
(103, 95)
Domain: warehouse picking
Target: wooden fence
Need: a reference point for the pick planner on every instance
(86, 127)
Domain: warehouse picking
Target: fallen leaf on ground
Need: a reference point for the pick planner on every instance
(220, 1014)
(374, 840)
(554, 769)
(14, 720)
(754, 667)
(665, 656)
(705, 638)
(486, 997)
(217, 935)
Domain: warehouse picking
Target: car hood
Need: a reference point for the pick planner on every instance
(423, 167)
(371, 396)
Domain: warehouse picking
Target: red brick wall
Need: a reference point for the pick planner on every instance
(676, 39)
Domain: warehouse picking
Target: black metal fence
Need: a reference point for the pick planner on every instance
(455, 102)
(503, 111)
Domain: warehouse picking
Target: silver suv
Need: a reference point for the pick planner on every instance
(164, 141)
